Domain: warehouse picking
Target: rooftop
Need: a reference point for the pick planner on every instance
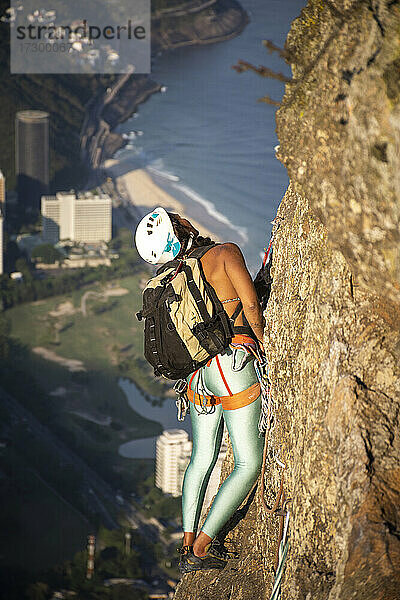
(175, 435)
(32, 115)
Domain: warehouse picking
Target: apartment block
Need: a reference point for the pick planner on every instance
(84, 218)
(173, 450)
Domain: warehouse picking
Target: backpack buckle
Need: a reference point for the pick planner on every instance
(171, 299)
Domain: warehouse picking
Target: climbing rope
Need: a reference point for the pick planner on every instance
(266, 425)
(283, 548)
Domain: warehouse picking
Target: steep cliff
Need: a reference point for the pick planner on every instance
(332, 321)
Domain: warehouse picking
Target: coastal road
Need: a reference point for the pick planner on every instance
(92, 143)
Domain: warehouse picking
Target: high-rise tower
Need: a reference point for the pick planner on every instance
(173, 450)
(32, 157)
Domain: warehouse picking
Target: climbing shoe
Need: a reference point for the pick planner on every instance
(190, 562)
(184, 551)
(219, 549)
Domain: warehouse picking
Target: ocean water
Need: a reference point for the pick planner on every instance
(208, 141)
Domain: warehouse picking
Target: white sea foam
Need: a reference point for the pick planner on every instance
(211, 210)
(156, 169)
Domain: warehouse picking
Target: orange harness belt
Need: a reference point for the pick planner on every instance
(233, 401)
(238, 400)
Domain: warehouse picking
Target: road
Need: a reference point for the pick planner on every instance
(95, 130)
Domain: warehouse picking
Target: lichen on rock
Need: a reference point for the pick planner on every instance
(333, 321)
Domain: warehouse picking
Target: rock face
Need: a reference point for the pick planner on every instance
(333, 321)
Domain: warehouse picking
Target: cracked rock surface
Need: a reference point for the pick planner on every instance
(332, 322)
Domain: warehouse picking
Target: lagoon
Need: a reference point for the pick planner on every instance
(165, 414)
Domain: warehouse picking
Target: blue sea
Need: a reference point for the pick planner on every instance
(208, 141)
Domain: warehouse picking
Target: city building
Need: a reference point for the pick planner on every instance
(85, 218)
(2, 194)
(32, 157)
(173, 450)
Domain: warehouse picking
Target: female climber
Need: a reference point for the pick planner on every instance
(226, 390)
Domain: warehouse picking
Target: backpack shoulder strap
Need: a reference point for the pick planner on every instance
(201, 251)
(169, 265)
(196, 253)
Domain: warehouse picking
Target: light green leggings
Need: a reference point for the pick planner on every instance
(207, 431)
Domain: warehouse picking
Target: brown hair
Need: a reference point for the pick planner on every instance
(184, 233)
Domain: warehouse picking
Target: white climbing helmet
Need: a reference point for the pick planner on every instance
(155, 238)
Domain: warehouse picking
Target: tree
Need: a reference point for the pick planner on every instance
(5, 330)
(46, 253)
(21, 264)
(38, 591)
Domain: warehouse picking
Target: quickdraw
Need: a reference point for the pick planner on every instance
(182, 402)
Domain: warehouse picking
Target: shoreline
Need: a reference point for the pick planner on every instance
(107, 110)
(144, 194)
(140, 188)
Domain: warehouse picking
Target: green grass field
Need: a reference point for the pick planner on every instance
(95, 339)
(108, 341)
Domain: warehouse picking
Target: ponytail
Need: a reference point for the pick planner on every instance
(184, 234)
(202, 241)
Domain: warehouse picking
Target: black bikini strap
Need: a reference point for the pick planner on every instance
(236, 312)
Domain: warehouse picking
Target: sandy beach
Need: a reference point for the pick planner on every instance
(145, 194)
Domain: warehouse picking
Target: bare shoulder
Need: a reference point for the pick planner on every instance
(222, 256)
(227, 251)
(230, 251)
